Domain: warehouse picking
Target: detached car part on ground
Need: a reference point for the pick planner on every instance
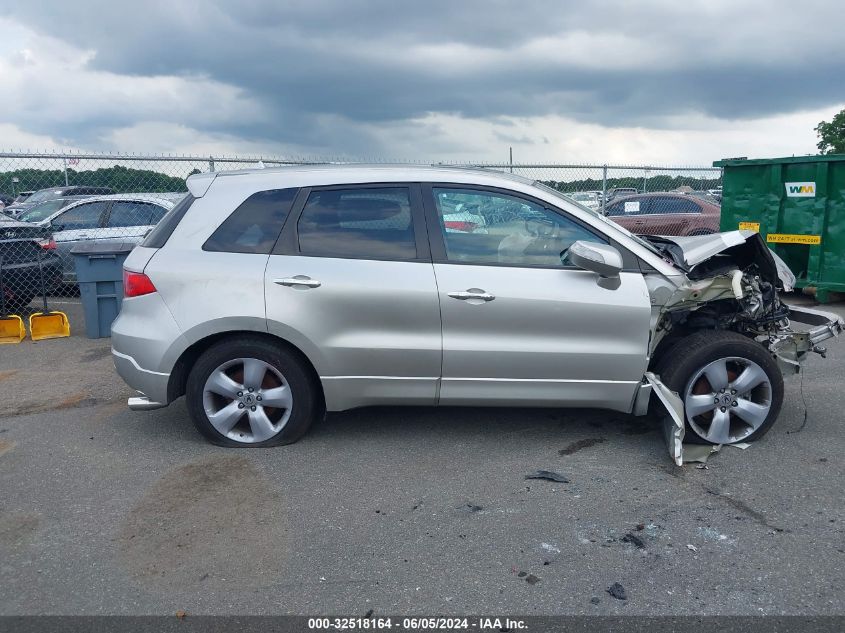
(269, 296)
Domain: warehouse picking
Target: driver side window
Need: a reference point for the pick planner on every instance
(481, 227)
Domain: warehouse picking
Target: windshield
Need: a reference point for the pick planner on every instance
(599, 215)
(44, 194)
(42, 211)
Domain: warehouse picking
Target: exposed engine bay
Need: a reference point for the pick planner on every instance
(732, 281)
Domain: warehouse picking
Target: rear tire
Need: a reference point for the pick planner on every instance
(731, 386)
(248, 391)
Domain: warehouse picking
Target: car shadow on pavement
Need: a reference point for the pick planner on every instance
(459, 423)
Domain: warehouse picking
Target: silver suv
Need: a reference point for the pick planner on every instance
(267, 297)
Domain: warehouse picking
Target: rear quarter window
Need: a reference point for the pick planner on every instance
(255, 225)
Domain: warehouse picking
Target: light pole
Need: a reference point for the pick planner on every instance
(15, 180)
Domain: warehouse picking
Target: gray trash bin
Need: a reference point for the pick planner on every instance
(99, 271)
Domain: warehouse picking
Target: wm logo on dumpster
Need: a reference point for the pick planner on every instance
(800, 189)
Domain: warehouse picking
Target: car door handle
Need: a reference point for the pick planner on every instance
(463, 295)
(298, 280)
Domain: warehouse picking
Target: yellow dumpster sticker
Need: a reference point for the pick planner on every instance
(749, 226)
(784, 238)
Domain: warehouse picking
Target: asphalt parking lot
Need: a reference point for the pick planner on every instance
(405, 511)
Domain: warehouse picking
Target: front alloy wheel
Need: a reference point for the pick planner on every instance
(727, 400)
(730, 384)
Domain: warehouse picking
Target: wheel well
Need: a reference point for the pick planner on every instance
(179, 376)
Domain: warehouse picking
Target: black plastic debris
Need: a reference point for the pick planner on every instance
(531, 579)
(470, 507)
(617, 591)
(636, 541)
(548, 475)
(595, 600)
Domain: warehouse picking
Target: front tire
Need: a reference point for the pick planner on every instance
(248, 391)
(731, 386)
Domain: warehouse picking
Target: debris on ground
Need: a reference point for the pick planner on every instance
(617, 591)
(471, 508)
(548, 475)
(699, 452)
(531, 579)
(595, 600)
(180, 615)
(369, 614)
(580, 444)
(712, 534)
(636, 541)
(691, 547)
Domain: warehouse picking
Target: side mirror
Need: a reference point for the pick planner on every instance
(602, 259)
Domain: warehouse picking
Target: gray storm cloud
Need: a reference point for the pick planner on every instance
(316, 70)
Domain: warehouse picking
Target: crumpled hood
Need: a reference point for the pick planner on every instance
(695, 249)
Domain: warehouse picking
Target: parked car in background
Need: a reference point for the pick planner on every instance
(123, 217)
(665, 214)
(52, 193)
(706, 196)
(589, 199)
(20, 246)
(21, 196)
(618, 192)
(5, 200)
(42, 210)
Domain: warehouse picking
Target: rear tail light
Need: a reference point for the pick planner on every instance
(136, 284)
(47, 244)
(466, 227)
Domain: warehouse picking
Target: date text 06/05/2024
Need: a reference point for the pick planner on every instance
(416, 623)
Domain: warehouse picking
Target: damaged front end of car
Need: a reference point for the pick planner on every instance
(732, 281)
(727, 281)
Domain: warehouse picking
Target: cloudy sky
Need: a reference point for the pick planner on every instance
(658, 81)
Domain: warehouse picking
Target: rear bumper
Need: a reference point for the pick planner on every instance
(142, 337)
(152, 385)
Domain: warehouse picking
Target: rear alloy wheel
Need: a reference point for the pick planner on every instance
(730, 385)
(250, 392)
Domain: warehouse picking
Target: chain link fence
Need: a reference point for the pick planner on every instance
(52, 202)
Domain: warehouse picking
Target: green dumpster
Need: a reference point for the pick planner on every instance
(798, 206)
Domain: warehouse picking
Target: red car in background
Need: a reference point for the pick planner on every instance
(665, 214)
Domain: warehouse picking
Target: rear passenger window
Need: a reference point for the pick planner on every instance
(129, 213)
(255, 225)
(673, 204)
(366, 223)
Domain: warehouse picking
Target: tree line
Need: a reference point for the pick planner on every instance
(120, 179)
